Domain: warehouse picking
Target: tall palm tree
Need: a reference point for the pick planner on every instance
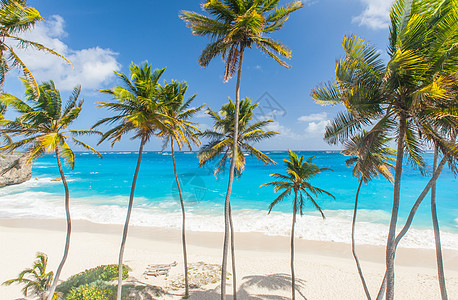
(220, 147)
(15, 18)
(138, 111)
(184, 133)
(296, 180)
(233, 26)
(418, 74)
(36, 279)
(43, 126)
(370, 157)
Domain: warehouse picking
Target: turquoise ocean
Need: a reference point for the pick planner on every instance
(99, 191)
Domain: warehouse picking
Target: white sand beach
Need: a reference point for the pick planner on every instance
(325, 270)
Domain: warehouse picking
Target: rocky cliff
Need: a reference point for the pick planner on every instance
(14, 169)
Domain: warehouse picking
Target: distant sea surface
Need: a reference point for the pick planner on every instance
(99, 192)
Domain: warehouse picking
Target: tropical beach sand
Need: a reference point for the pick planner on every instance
(325, 270)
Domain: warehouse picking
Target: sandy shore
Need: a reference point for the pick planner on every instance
(325, 270)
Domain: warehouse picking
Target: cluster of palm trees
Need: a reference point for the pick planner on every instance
(411, 101)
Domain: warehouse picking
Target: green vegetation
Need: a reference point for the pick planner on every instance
(96, 291)
(234, 26)
(36, 280)
(105, 273)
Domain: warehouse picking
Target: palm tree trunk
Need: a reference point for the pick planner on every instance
(409, 220)
(69, 228)
(353, 250)
(231, 180)
(437, 236)
(126, 224)
(390, 246)
(293, 276)
(183, 228)
(234, 273)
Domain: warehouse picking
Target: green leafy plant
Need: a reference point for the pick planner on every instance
(98, 274)
(36, 280)
(94, 291)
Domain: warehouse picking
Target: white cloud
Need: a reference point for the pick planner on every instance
(283, 130)
(375, 15)
(317, 128)
(92, 67)
(313, 117)
(316, 123)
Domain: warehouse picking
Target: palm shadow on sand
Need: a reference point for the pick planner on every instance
(271, 282)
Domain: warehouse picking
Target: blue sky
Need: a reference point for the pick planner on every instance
(102, 36)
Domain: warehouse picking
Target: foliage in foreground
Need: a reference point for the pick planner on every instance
(36, 280)
(91, 282)
(95, 291)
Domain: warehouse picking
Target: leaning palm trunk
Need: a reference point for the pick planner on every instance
(293, 276)
(353, 250)
(69, 228)
(126, 224)
(437, 236)
(227, 216)
(183, 228)
(410, 218)
(390, 245)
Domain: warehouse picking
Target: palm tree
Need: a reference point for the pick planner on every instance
(138, 110)
(299, 172)
(370, 157)
(182, 131)
(43, 124)
(418, 74)
(16, 17)
(220, 146)
(37, 281)
(233, 26)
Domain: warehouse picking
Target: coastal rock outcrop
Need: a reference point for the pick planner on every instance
(14, 169)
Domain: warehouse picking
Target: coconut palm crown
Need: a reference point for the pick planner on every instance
(138, 108)
(15, 18)
(299, 172)
(181, 130)
(234, 25)
(221, 136)
(44, 122)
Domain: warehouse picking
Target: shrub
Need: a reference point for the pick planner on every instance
(85, 278)
(93, 291)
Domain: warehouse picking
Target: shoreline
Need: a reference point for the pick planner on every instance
(250, 241)
(319, 264)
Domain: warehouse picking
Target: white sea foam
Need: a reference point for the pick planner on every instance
(336, 227)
